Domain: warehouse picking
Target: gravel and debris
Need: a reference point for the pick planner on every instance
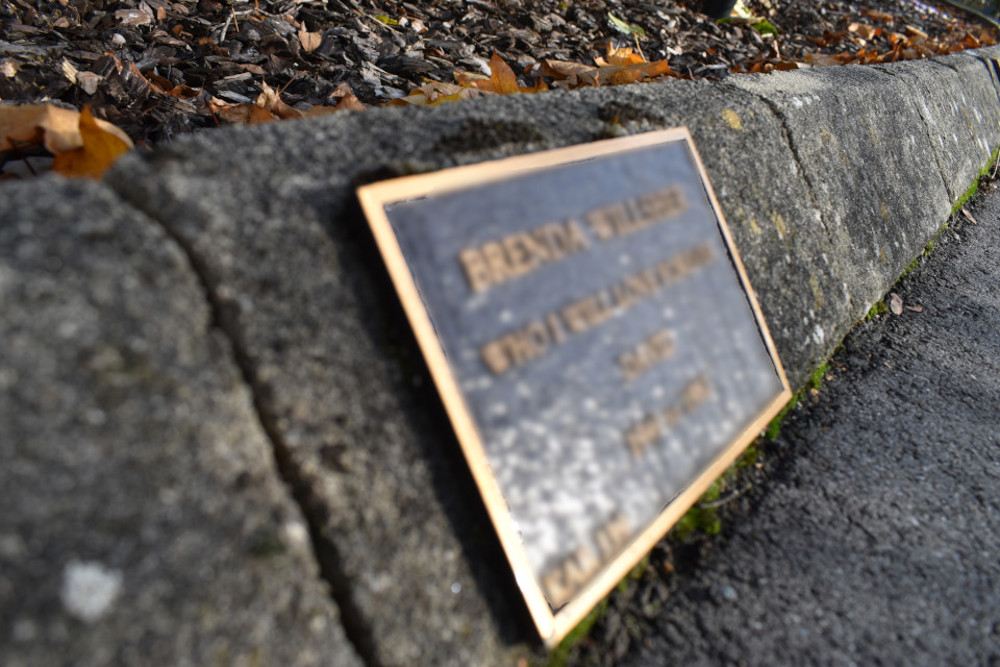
(159, 68)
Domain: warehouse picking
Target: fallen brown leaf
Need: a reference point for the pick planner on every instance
(99, 151)
(502, 80)
(310, 40)
(165, 86)
(347, 100)
(432, 93)
(619, 56)
(620, 66)
(896, 304)
(863, 30)
(877, 15)
(55, 128)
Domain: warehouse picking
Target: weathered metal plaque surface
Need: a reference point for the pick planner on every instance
(595, 341)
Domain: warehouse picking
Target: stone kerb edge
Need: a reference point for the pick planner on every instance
(883, 169)
(145, 522)
(268, 213)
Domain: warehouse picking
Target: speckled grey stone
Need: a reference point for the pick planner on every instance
(143, 521)
(957, 99)
(820, 174)
(270, 216)
(865, 152)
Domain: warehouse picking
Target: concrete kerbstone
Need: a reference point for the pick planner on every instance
(957, 99)
(881, 189)
(825, 219)
(269, 215)
(143, 519)
(865, 151)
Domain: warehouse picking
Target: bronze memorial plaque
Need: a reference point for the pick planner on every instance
(595, 341)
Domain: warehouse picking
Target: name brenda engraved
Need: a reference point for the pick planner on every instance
(562, 581)
(496, 262)
(521, 253)
(651, 428)
(537, 337)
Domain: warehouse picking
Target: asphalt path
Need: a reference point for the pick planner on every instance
(875, 539)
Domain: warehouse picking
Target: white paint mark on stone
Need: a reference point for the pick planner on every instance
(295, 533)
(89, 589)
(456, 588)
(317, 624)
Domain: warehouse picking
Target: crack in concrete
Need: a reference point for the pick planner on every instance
(953, 68)
(992, 66)
(324, 551)
(835, 270)
(930, 138)
(799, 165)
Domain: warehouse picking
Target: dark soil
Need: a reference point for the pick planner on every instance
(159, 68)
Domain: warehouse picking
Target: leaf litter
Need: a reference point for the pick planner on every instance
(160, 68)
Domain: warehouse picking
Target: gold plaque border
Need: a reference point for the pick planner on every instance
(552, 627)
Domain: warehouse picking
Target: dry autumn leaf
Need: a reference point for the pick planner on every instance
(310, 40)
(165, 86)
(864, 31)
(619, 57)
(896, 304)
(502, 80)
(269, 106)
(621, 66)
(822, 60)
(347, 100)
(55, 128)
(878, 15)
(432, 93)
(99, 151)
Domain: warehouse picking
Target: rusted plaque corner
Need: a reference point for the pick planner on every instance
(596, 343)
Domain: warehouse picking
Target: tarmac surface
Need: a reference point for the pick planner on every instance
(876, 539)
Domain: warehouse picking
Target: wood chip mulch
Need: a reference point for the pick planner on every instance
(159, 68)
